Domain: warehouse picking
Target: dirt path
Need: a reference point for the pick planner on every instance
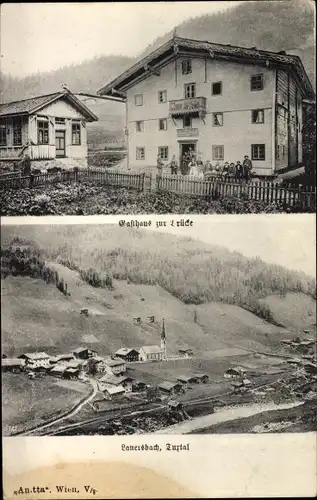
(77, 409)
(223, 416)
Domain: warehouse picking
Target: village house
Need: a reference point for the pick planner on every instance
(84, 353)
(151, 353)
(187, 379)
(115, 366)
(114, 391)
(235, 372)
(170, 387)
(115, 381)
(34, 359)
(57, 371)
(221, 101)
(128, 354)
(185, 352)
(202, 378)
(51, 129)
(13, 365)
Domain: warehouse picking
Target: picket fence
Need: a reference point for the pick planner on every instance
(97, 176)
(267, 192)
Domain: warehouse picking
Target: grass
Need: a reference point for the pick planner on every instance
(34, 401)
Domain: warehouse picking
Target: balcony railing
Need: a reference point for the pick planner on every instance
(195, 106)
(187, 132)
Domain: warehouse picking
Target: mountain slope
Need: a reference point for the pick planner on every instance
(282, 25)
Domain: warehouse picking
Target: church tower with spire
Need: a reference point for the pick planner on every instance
(163, 341)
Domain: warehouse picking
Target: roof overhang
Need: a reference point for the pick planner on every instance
(178, 47)
(77, 103)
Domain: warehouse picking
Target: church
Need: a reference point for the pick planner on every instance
(155, 352)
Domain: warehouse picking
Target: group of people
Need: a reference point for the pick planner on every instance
(194, 167)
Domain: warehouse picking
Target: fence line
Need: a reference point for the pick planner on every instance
(268, 192)
(265, 191)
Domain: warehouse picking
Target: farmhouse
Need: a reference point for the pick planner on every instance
(12, 365)
(151, 353)
(187, 379)
(84, 353)
(202, 378)
(170, 387)
(128, 354)
(221, 101)
(185, 352)
(116, 381)
(34, 359)
(238, 371)
(113, 391)
(51, 129)
(115, 366)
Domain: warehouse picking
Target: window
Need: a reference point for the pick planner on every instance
(284, 152)
(190, 90)
(140, 153)
(277, 156)
(162, 124)
(60, 121)
(257, 116)
(138, 100)
(187, 121)
(186, 67)
(42, 132)
(217, 152)
(3, 133)
(217, 119)
(258, 151)
(216, 88)
(17, 132)
(257, 82)
(162, 96)
(76, 134)
(139, 126)
(163, 152)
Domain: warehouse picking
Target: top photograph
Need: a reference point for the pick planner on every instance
(158, 108)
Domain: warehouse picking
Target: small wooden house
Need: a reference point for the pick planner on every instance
(50, 129)
(128, 354)
(170, 387)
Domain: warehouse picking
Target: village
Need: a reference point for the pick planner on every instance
(293, 377)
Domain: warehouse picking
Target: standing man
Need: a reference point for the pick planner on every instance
(247, 168)
(174, 166)
(159, 165)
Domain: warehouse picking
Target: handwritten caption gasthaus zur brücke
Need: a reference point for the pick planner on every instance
(156, 223)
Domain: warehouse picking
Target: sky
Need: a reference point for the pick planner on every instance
(43, 37)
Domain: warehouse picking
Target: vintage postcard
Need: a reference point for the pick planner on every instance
(158, 269)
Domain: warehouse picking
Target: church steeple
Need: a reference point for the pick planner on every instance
(163, 340)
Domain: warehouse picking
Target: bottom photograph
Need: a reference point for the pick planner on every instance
(110, 330)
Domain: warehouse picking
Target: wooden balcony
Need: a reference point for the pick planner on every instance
(195, 106)
(187, 132)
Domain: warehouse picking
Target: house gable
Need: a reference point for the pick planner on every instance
(62, 108)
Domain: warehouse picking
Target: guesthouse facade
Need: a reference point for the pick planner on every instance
(221, 101)
(51, 129)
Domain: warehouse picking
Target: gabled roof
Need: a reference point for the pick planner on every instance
(34, 104)
(115, 390)
(124, 351)
(152, 349)
(177, 45)
(114, 362)
(35, 355)
(12, 362)
(113, 380)
(168, 386)
(186, 378)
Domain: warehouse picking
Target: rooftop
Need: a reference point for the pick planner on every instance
(114, 362)
(168, 385)
(35, 355)
(152, 349)
(11, 362)
(178, 46)
(112, 380)
(125, 350)
(34, 104)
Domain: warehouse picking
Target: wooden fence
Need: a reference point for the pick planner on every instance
(96, 176)
(268, 192)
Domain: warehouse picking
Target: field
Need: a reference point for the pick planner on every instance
(31, 402)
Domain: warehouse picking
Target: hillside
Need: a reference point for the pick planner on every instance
(282, 25)
(210, 297)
